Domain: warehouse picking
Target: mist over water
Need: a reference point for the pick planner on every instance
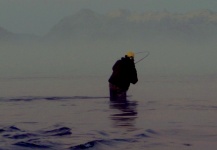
(88, 43)
(97, 57)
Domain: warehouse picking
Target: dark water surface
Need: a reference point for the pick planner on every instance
(161, 113)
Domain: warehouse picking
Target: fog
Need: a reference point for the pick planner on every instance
(88, 44)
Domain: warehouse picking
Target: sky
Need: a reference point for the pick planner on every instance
(39, 16)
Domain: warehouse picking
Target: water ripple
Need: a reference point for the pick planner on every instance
(50, 98)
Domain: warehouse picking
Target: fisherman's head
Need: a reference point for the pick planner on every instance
(130, 55)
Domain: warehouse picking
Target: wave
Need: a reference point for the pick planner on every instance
(51, 98)
(32, 145)
(110, 142)
(86, 145)
(97, 143)
(58, 132)
(51, 139)
(23, 138)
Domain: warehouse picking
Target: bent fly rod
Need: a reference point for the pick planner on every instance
(148, 53)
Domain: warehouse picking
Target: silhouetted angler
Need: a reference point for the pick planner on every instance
(124, 73)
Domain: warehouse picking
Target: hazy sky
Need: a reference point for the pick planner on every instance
(38, 16)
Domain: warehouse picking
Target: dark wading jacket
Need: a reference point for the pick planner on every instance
(124, 73)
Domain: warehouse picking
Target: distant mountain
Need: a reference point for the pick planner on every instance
(7, 36)
(89, 24)
(85, 23)
(122, 24)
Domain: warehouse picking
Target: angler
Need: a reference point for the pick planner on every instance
(124, 73)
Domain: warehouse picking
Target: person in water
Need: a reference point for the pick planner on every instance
(124, 73)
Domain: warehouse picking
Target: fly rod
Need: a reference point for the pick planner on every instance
(148, 53)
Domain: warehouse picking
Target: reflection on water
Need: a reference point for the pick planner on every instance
(123, 114)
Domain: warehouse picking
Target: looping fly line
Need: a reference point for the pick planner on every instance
(148, 53)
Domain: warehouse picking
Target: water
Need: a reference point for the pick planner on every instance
(73, 113)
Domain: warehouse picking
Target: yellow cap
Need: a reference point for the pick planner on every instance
(130, 54)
